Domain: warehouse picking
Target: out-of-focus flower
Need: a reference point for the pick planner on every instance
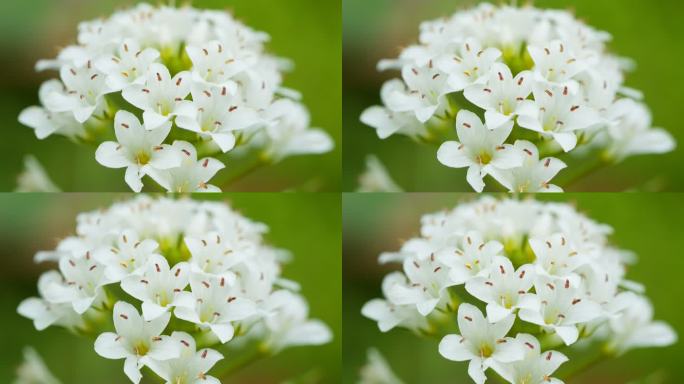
(377, 370)
(375, 177)
(34, 178)
(33, 370)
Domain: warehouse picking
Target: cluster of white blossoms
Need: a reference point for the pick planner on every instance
(175, 277)
(541, 269)
(159, 88)
(523, 85)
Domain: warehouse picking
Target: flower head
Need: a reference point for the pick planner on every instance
(180, 69)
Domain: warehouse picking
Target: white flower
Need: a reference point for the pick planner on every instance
(375, 178)
(631, 132)
(470, 66)
(426, 287)
(635, 328)
(562, 307)
(218, 112)
(388, 122)
(160, 97)
(216, 63)
(535, 368)
(128, 66)
(136, 340)
(481, 343)
(288, 323)
(83, 93)
(505, 290)
(289, 132)
(128, 255)
(472, 258)
(554, 63)
(556, 256)
(423, 95)
(46, 122)
(501, 95)
(33, 370)
(45, 313)
(558, 113)
(158, 286)
(480, 149)
(213, 304)
(377, 370)
(215, 256)
(82, 285)
(388, 314)
(191, 366)
(191, 175)
(34, 178)
(534, 175)
(181, 68)
(138, 149)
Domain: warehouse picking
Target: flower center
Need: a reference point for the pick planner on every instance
(142, 157)
(141, 348)
(486, 350)
(484, 158)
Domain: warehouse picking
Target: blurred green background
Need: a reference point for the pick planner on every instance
(647, 224)
(306, 31)
(307, 225)
(650, 32)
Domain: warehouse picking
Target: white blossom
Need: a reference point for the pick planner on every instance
(180, 69)
(523, 69)
(481, 342)
(34, 178)
(186, 265)
(481, 149)
(191, 366)
(136, 340)
(138, 149)
(536, 267)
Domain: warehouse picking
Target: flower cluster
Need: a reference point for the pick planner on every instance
(523, 85)
(534, 267)
(175, 277)
(199, 80)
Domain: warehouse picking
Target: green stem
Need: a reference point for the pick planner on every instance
(595, 166)
(243, 361)
(585, 366)
(260, 162)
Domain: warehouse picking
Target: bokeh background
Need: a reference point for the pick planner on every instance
(307, 225)
(306, 31)
(647, 224)
(648, 31)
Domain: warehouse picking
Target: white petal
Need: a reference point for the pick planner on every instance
(496, 312)
(474, 177)
(569, 334)
(108, 346)
(110, 154)
(225, 141)
(132, 369)
(476, 370)
(152, 311)
(454, 348)
(453, 154)
(133, 178)
(164, 349)
(567, 140)
(313, 332)
(223, 331)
